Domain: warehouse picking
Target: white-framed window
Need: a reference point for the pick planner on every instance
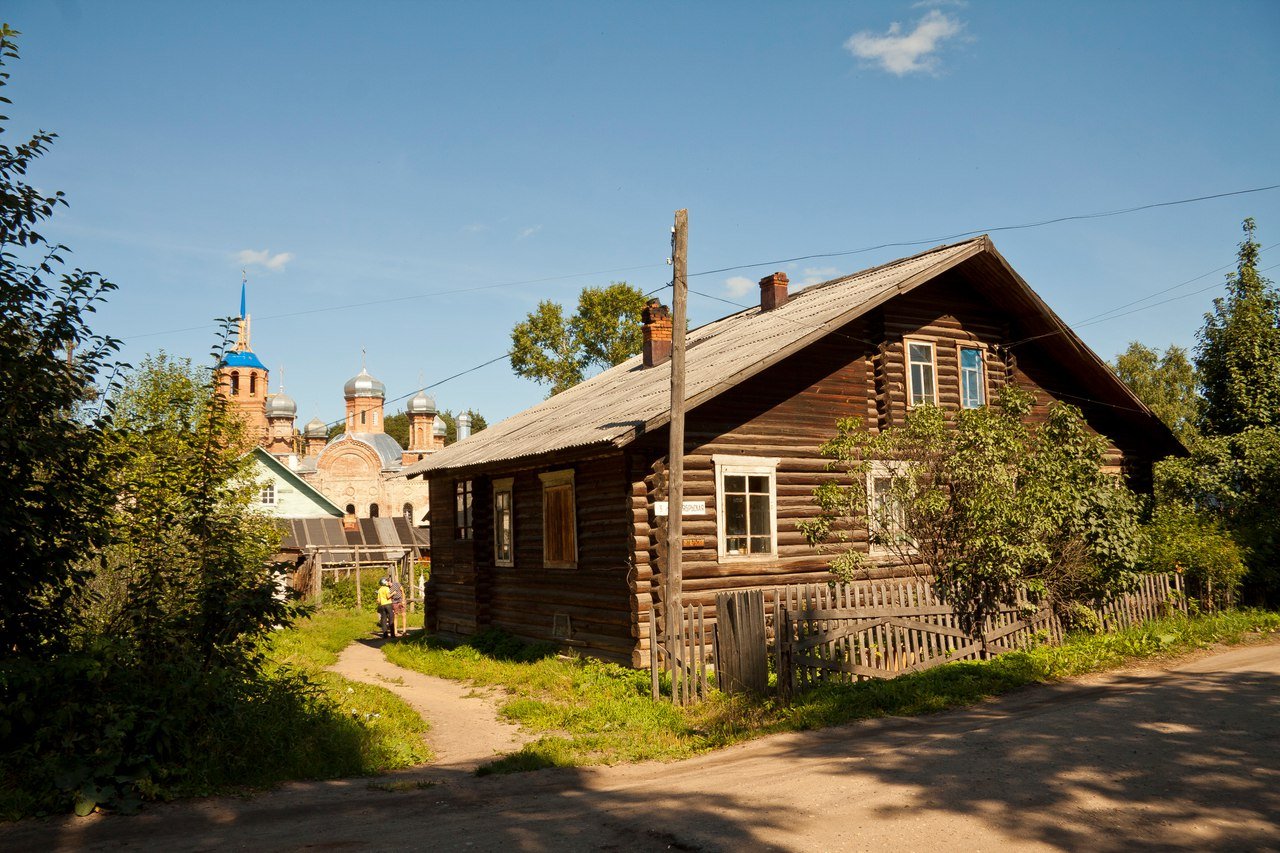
(462, 509)
(922, 386)
(559, 521)
(746, 506)
(503, 523)
(973, 378)
(267, 497)
(886, 518)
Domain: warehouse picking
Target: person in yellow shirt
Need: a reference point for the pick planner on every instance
(386, 617)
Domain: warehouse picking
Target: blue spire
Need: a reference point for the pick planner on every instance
(242, 301)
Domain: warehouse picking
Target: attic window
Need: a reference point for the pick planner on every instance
(267, 497)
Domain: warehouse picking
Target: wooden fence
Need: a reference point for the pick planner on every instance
(886, 628)
(688, 658)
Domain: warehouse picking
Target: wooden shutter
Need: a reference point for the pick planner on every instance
(560, 546)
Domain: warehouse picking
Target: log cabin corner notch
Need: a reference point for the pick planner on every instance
(764, 388)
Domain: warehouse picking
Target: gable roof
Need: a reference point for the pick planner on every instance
(627, 400)
(283, 470)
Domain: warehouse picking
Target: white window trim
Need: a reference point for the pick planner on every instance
(507, 485)
(559, 478)
(267, 494)
(984, 383)
(892, 470)
(747, 465)
(933, 362)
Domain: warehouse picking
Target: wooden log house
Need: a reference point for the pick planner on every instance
(547, 524)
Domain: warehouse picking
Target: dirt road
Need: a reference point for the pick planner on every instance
(1187, 758)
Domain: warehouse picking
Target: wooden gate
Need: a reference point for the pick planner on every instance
(687, 660)
(742, 655)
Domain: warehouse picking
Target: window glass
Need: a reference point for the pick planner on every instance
(462, 509)
(887, 517)
(972, 390)
(502, 538)
(748, 514)
(920, 358)
(268, 494)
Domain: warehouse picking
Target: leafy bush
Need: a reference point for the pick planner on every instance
(341, 593)
(1178, 539)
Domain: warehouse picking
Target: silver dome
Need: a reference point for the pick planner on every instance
(281, 406)
(422, 403)
(364, 385)
(316, 428)
(440, 429)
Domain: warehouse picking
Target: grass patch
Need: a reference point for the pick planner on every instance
(590, 712)
(390, 732)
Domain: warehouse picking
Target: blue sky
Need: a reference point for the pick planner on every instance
(348, 155)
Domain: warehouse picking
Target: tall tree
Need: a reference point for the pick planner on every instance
(55, 488)
(556, 350)
(1239, 352)
(1166, 382)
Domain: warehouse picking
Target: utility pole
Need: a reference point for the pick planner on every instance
(675, 449)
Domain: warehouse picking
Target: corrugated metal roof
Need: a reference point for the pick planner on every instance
(616, 405)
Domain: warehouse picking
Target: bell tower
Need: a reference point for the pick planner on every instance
(242, 379)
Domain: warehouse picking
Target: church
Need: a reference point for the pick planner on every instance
(357, 470)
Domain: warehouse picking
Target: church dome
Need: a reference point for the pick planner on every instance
(364, 385)
(281, 406)
(440, 430)
(316, 428)
(422, 403)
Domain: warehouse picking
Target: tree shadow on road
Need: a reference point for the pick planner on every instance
(1192, 760)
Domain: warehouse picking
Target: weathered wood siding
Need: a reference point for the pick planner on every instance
(469, 592)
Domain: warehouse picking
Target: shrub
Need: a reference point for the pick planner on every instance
(1180, 540)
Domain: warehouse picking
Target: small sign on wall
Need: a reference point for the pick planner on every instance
(688, 508)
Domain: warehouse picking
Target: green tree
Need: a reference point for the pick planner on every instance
(983, 503)
(1167, 383)
(1239, 349)
(397, 426)
(187, 570)
(554, 350)
(1234, 478)
(451, 427)
(55, 483)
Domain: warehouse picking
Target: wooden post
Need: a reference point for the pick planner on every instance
(675, 447)
(317, 583)
(359, 603)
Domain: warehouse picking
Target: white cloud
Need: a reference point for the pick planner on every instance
(528, 232)
(817, 275)
(264, 258)
(900, 53)
(739, 285)
(475, 228)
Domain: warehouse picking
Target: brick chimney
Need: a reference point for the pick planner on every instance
(655, 322)
(773, 291)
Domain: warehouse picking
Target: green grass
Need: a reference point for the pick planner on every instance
(390, 731)
(586, 712)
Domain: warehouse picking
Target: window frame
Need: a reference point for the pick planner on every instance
(464, 532)
(556, 480)
(907, 343)
(504, 486)
(747, 466)
(983, 385)
(267, 494)
(880, 469)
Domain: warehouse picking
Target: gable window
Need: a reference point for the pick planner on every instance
(462, 509)
(559, 521)
(973, 391)
(746, 506)
(267, 496)
(886, 517)
(503, 536)
(920, 373)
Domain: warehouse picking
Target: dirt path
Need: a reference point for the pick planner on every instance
(465, 728)
(1157, 759)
